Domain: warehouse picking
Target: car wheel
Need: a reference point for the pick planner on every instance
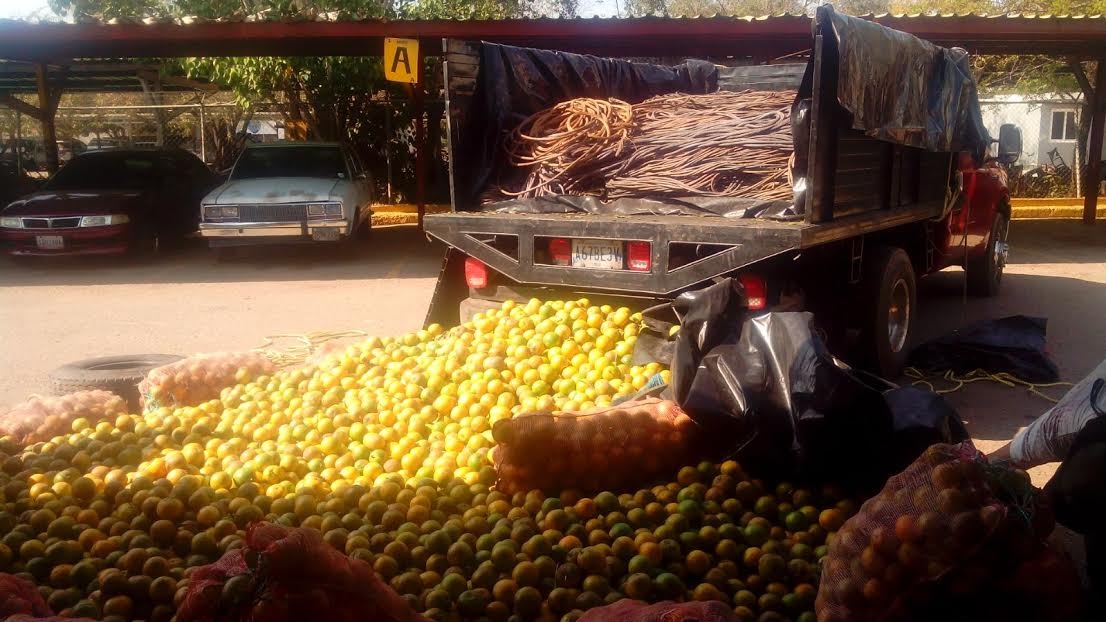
(984, 273)
(224, 254)
(147, 245)
(118, 374)
(364, 229)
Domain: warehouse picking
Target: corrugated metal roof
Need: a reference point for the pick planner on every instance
(335, 16)
(700, 35)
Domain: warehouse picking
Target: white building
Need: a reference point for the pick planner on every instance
(1048, 122)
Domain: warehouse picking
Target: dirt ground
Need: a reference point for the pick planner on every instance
(1057, 271)
(187, 302)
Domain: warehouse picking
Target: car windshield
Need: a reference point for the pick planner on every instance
(291, 161)
(105, 172)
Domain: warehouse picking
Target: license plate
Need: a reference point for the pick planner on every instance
(51, 242)
(329, 234)
(600, 254)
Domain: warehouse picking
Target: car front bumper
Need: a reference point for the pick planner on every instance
(238, 234)
(109, 240)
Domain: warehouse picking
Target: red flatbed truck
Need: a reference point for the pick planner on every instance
(882, 203)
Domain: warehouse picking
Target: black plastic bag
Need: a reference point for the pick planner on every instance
(1014, 345)
(767, 391)
(921, 418)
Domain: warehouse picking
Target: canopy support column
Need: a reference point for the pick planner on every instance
(420, 142)
(1094, 145)
(48, 108)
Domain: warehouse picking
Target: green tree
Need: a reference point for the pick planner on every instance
(321, 98)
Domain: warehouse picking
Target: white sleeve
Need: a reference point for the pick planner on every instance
(1050, 436)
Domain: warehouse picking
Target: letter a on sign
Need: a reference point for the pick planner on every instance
(401, 60)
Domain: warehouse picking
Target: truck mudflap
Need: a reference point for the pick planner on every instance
(449, 291)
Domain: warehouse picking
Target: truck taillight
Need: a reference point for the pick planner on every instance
(756, 290)
(476, 273)
(639, 256)
(560, 251)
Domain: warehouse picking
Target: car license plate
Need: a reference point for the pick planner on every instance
(599, 254)
(50, 242)
(326, 234)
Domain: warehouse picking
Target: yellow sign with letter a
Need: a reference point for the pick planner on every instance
(401, 60)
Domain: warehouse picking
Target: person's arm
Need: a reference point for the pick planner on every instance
(1002, 454)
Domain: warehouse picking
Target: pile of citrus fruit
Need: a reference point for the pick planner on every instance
(383, 448)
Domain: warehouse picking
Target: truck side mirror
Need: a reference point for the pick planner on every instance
(1009, 143)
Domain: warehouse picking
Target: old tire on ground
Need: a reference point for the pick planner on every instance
(118, 374)
(889, 306)
(984, 273)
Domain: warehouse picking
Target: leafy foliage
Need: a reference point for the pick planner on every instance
(321, 98)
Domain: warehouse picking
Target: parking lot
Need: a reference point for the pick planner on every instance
(188, 302)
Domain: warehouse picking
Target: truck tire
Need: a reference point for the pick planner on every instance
(889, 299)
(118, 374)
(984, 273)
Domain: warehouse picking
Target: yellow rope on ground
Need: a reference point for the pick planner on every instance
(978, 375)
(307, 344)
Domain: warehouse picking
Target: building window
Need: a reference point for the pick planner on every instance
(1064, 126)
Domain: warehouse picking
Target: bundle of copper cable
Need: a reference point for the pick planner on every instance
(720, 144)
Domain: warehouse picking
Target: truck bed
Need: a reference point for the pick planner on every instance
(748, 240)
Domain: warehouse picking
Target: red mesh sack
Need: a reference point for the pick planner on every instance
(18, 596)
(48, 618)
(637, 611)
(204, 597)
(324, 352)
(612, 448)
(286, 575)
(200, 378)
(943, 540)
(43, 418)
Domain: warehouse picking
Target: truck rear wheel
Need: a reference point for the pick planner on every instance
(984, 273)
(889, 302)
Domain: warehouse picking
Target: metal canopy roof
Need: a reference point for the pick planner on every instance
(1083, 37)
(96, 77)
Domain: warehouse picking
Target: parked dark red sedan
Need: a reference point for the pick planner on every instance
(109, 202)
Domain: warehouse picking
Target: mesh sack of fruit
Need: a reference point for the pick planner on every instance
(612, 448)
(667, 611)
(42, 418)
(285, 574)
(49, 618)
(18, 596)
(197, 379)
(942, 538)
(324, 352)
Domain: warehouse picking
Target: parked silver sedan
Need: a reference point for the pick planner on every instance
(286, 192)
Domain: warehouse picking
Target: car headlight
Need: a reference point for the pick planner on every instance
(324, 210)
(105, 220)
(221, 212)
(11, 222)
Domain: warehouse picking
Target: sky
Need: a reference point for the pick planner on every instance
(23, 8)
(19, 9)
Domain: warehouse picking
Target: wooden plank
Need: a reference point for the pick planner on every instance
(18, 105)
